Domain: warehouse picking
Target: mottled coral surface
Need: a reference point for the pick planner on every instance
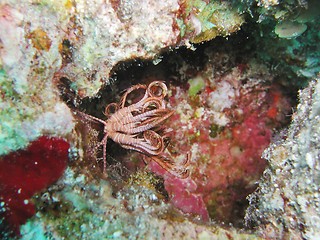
(224, 141)
(25, 172)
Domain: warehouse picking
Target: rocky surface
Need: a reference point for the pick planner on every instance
(232, 68)
(286, 204)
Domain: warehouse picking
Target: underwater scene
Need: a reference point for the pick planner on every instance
(175, 119)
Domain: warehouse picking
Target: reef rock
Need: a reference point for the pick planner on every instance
(286, 204)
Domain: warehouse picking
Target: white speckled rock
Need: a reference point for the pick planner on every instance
(286, 204)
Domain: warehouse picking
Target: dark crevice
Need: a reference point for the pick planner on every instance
(239, 49)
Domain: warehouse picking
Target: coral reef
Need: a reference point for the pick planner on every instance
(288, 37)
(101, 34)
(42, 42)
(232, 69)
(286, 204)
(225, 127)
(204, 20)
(30, 106)
(89, 211)
(46, 42)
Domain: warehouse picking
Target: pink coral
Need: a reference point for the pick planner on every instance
(226, 160)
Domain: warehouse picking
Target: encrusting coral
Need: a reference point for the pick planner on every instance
(24, 173)
(226, 139)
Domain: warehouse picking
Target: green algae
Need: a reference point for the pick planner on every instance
(195, 86)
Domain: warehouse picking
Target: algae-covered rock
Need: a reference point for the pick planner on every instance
(205, 20)
(136, 212)
(43, 42)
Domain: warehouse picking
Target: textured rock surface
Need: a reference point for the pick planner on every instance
(89, 211)
(43, 42)
(286, 204)
(57, 55)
